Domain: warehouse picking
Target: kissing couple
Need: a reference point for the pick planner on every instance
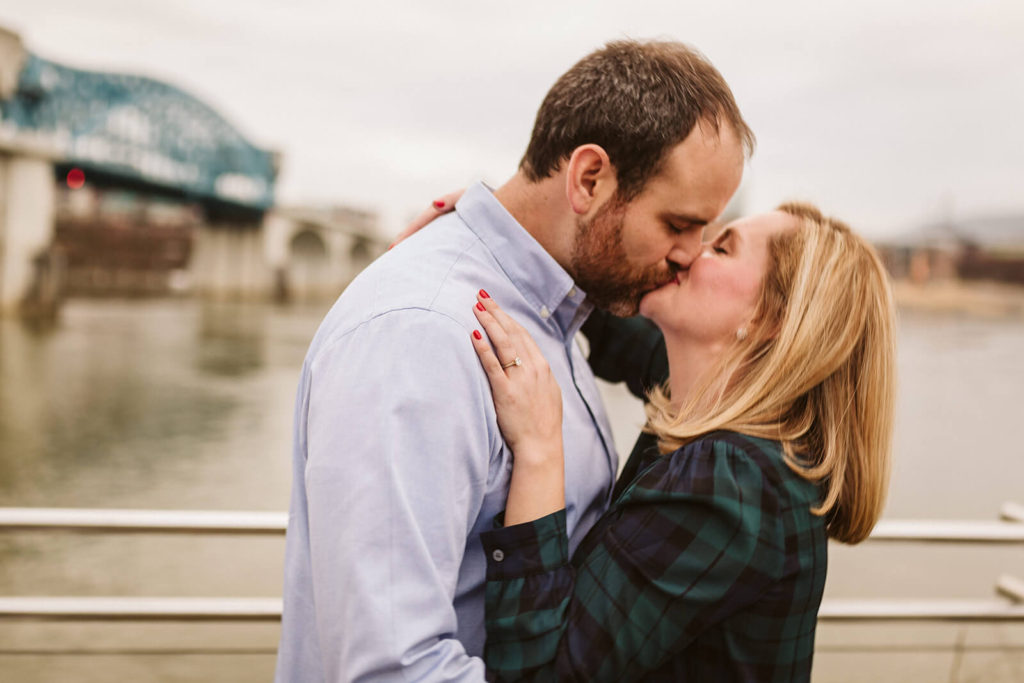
(458, 511)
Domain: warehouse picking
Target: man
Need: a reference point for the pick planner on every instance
(399, 463)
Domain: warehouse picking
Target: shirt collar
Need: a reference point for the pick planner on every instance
(550, 290)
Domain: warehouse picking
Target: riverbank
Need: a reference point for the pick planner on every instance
(981, 299)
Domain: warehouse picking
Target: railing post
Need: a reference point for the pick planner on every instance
(1012, 512)
(1011, 587)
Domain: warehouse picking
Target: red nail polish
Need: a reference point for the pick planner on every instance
(484, 294)
(391, 246)
(477, 335)
(480, 306)
(438, 203)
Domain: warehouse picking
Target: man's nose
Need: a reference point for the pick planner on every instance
(686, 248)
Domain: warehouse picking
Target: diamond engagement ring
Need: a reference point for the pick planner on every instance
(509, 364)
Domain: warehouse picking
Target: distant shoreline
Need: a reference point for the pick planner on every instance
(981, 299)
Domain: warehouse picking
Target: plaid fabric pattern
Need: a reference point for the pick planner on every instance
(709, 567)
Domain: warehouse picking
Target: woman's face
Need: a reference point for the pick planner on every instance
(718, 293)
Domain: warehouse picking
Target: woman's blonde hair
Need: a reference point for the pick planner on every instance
(815, 371)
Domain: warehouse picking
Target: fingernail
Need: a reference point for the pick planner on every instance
(477, 335)
(438, 203)
(480, 306)
(484, 294)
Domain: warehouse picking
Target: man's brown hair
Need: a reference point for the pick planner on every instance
(637, 100)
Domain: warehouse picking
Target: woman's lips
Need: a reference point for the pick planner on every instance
(676, 280)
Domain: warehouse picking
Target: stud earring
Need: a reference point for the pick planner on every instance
(741, 334)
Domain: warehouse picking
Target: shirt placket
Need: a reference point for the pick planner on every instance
(570, 316)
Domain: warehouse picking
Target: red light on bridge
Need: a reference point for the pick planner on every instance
(76, 178)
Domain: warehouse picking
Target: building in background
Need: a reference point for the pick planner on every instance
(121, 184)
(980, 248)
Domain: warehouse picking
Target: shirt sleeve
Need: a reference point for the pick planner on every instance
(630, 350)
(399, 448)
(694, 540)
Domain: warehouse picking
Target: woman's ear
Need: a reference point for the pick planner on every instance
(591, 180)
(767, 331)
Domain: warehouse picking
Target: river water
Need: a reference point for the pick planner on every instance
(181, 404)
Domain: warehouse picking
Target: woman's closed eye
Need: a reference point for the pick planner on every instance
(725, 242)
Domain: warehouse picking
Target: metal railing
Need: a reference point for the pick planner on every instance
(1009, 531)
(141, 609)
(275, 523)
(142, 521)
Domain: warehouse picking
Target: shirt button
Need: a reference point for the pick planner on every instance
(544, 312)
(572, 292)
(498, 555)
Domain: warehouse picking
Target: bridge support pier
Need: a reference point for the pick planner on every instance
(228, 262)
(29, 270)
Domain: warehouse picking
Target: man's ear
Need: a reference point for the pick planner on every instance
(590, 179)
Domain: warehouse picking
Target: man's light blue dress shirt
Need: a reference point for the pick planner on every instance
(398, 460)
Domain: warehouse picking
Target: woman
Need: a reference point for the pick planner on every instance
(774, 432)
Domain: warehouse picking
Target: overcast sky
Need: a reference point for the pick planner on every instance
(885, 113)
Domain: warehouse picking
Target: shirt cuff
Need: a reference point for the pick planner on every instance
(529, 548)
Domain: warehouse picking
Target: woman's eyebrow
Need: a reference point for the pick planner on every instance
(711, 230)
(726, 234)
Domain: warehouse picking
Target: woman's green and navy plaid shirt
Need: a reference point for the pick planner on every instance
(709, 566)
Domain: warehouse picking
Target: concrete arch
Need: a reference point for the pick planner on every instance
(310, 275)
(315, 253)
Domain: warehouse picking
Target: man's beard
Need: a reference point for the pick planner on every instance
(600, 267)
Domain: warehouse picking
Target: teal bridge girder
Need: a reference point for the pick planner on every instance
(139, 129)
